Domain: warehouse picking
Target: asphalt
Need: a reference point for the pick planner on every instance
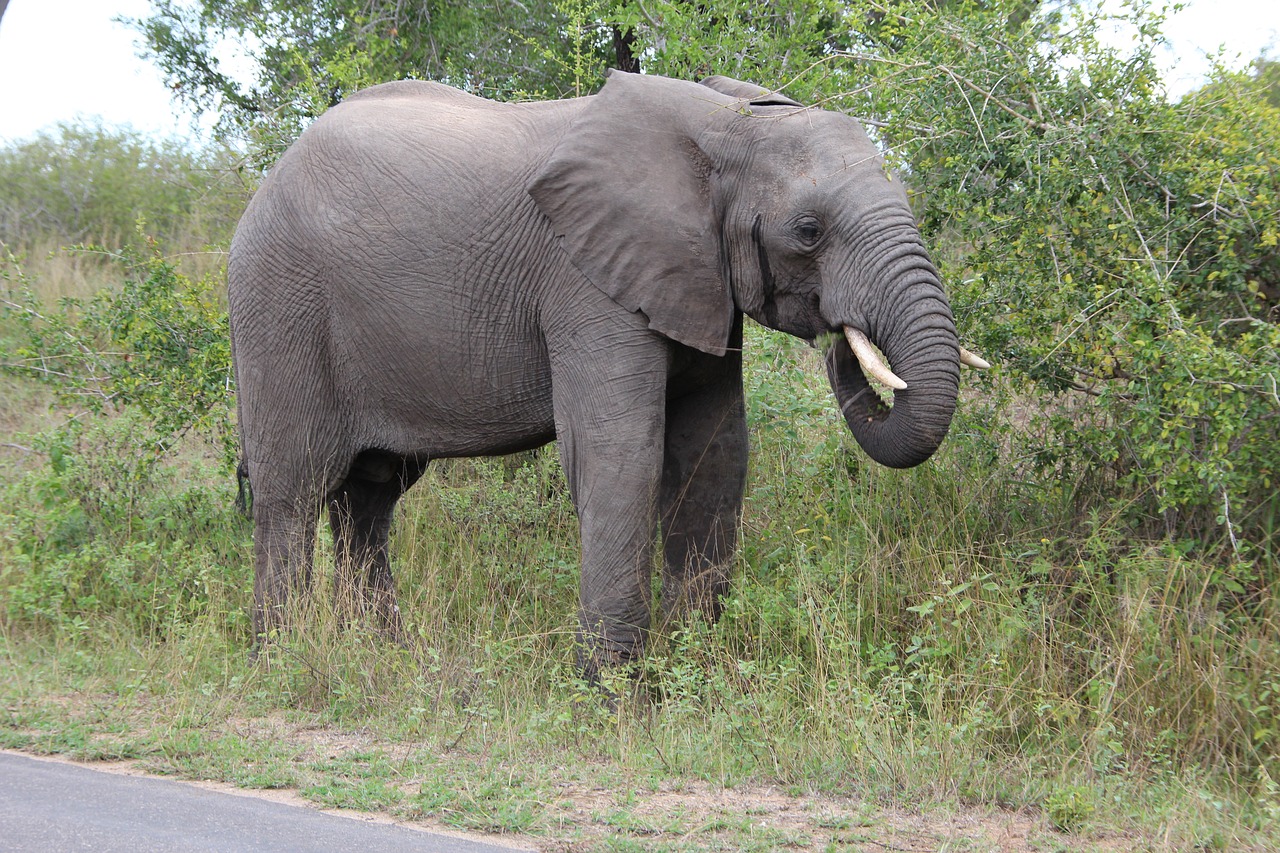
(55, 806)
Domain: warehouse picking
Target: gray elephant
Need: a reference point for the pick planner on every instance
(428, 274)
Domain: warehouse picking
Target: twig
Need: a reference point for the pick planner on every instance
(993, 98)
(23, 448)
(1226, 518)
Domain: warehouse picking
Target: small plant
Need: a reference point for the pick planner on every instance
(1069, 808)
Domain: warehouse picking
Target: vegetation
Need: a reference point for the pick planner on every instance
(1069, 614)
(1114, 245)
(82, 184)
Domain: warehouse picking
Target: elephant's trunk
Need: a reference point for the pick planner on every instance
(916, 332)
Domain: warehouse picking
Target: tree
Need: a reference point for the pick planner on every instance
(788, 43)
(306, 57)
(1104, 243)
(1266, 74)
(784, 43)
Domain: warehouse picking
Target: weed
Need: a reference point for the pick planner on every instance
(1070, 808)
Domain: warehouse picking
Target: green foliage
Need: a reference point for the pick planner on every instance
(1103, 240)
(110, 529)
(1266, 75)
(84, 183)
(160, 344)
(1070, 808)
(783, 44)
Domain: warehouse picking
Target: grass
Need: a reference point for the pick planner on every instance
(953, 657)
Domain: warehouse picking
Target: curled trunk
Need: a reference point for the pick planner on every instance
(917, 334)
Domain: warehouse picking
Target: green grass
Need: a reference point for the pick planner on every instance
(962, 640)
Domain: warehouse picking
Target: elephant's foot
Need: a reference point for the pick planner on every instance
(613, 673)
(267, 633)
(391, 625)
(371, 609)
(693, 591)
(268, 622)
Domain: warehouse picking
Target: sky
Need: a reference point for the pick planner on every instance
(65, 60)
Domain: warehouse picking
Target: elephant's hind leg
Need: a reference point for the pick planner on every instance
(360, 513)
(284, 529)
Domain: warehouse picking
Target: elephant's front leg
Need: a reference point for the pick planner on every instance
(609, 422)
(703, 478)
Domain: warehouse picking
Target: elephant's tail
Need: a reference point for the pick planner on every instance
(244, 489)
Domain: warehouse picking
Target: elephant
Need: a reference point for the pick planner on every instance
(427, 274)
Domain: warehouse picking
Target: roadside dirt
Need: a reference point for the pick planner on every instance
(699, 816)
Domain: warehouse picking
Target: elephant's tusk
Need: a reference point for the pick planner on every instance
(870, 360)
(973, 360)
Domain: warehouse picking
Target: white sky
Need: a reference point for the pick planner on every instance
(66, 59)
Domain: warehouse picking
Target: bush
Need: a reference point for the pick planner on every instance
(115, 525)
(160, 345)
(88, 183)
(1106, 243)
(110, 529)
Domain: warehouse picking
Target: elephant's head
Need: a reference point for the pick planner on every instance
(687, 201)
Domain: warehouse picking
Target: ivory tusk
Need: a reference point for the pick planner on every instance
(870, 360)
(973, 360)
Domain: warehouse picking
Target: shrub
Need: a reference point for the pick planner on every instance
(88, 183)
(111, 529)
(117, 524)
(160, 344)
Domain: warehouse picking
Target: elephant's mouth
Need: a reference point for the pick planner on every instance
(911, 429)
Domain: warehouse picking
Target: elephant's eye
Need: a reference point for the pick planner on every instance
(808, 231)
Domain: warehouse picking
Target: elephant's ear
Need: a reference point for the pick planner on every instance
(754, 94)
(629, 190)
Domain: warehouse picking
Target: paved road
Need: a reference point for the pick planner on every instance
(52, 806)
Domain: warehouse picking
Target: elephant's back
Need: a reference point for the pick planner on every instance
(413, 151)
(427, 126)
(419, 89)
(409, 161)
